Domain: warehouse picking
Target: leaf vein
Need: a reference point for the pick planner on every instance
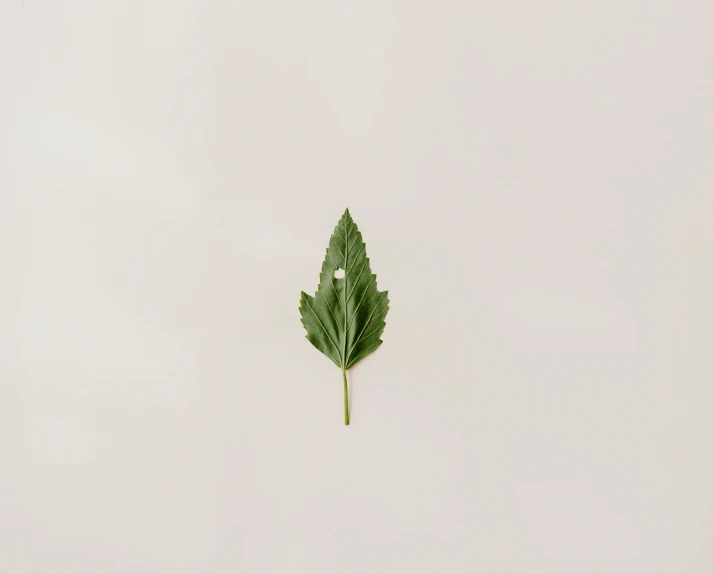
(356, 257)
(324, 329)
(351, 322)
(353, 242)
(365, 326)
(332, 311)
(356, 282)
(365, 352)
(372, 332)
(340, 253)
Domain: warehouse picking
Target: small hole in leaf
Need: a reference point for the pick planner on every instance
(339, 273)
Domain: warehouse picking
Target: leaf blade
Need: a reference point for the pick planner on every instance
(346, 317)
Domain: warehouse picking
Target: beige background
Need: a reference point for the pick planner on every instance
(535, 187)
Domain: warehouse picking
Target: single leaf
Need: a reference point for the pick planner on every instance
(345, 318)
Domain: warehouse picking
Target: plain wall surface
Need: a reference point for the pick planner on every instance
(534, 184)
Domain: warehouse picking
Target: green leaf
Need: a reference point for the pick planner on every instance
(345, 318)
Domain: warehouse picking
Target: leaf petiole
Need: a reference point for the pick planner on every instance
(346, 398)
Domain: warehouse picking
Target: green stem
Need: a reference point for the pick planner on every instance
(346, 398)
